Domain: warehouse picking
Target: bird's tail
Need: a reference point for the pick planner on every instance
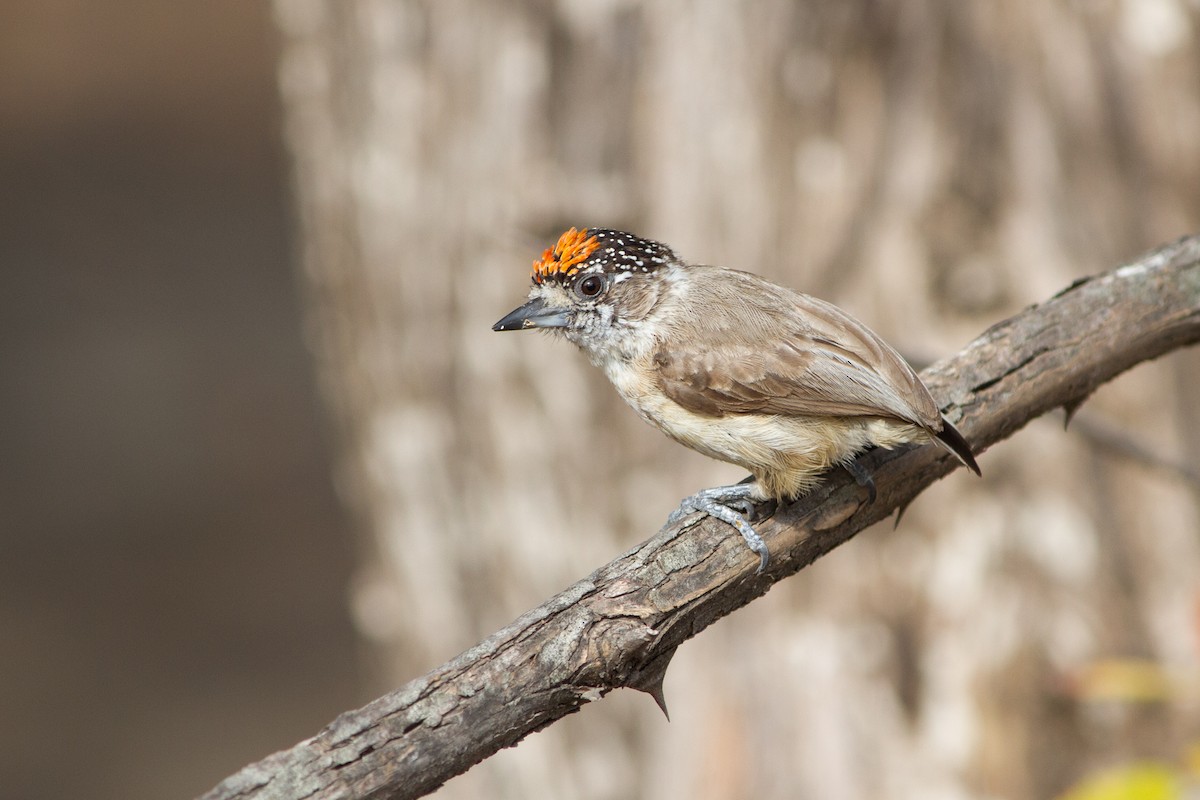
(950, 439)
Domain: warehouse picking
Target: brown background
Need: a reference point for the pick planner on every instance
(179, 591)
(172, 558)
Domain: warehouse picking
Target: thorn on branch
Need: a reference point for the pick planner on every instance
(649, 679)
(1069, 410)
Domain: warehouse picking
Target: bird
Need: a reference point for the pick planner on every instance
(733, 366)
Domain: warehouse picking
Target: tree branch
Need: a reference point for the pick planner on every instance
(620, 626)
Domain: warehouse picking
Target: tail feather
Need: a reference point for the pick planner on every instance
(949, 438)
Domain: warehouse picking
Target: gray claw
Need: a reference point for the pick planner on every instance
(725, 503)
(862, 478)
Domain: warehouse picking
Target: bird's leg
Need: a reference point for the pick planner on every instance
(861, 477)
(731, 505)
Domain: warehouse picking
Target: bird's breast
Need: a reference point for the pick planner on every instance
(745, 439)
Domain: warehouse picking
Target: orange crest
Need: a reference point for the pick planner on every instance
(572, 249)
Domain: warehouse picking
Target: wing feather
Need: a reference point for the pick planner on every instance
(744, 357)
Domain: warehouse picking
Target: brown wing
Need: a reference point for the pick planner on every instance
(744, 357)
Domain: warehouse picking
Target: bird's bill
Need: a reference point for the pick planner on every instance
(534, 314)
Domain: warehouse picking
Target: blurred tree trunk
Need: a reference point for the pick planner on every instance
(933, 166)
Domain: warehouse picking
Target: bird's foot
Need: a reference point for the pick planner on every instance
(862, 478)
(731, 505)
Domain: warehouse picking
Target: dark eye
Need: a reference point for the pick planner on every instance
(590, 286)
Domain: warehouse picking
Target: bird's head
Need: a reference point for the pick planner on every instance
(596, 287)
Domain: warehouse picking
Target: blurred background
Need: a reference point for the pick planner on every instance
(173, 560)
(266, 460)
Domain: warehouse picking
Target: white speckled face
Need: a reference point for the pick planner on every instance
(589, 274)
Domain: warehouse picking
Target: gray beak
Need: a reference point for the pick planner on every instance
(533, 314)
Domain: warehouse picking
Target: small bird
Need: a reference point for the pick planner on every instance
(733, 366)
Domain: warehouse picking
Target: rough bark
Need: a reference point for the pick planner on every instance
(620, 626)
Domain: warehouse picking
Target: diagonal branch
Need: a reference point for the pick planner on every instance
(620, 626)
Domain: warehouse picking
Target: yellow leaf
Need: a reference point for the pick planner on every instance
(1146, 781)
